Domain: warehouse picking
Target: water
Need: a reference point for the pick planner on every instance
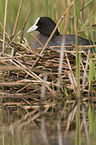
(17, 127)
(20, 127)
(25, 120)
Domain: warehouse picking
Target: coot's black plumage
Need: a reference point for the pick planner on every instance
(45, 26)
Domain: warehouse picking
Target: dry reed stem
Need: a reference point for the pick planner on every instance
(71, 75)
(17, 18)
(37, 40)
(12, 40)
(85, 73)
(24, 25)
(62, 50)
(5, 32)
(4, 25)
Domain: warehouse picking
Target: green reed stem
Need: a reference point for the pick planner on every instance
(91, 124)
(78, 134)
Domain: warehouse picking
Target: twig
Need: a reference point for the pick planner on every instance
(37, 39)
(12, 40)
(18, 14)
(25, 24)
(8, 38)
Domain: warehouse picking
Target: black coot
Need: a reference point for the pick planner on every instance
(45, 26)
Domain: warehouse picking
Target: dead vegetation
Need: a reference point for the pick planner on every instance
(22, 72)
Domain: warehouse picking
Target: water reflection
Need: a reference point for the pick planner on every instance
(16, 128)
(36, 123)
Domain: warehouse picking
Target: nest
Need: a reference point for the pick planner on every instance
(26, 77)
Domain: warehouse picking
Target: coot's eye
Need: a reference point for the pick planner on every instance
(41, 22)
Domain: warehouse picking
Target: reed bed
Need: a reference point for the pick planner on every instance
(26, 75)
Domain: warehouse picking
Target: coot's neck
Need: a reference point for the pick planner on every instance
(55, 34)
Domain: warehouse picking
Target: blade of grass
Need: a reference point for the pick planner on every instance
(86, 5)
(91, 75)
(91, 124)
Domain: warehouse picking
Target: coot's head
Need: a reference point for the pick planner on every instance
(44, 25)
